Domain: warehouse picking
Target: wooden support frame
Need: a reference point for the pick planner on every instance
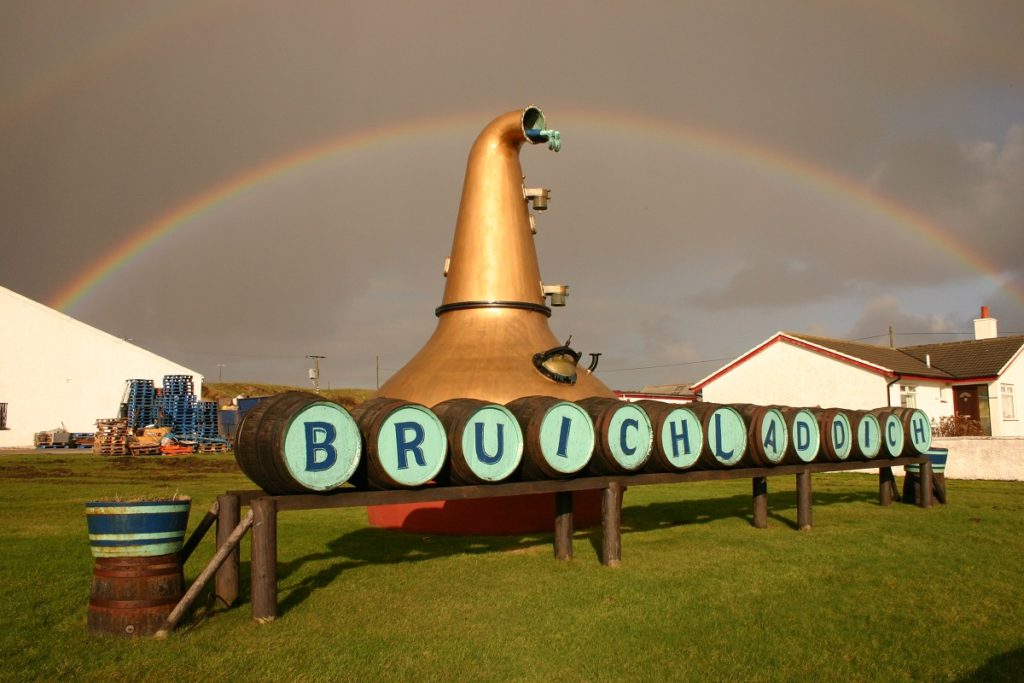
(804, 516)
(264, 559)
(760, 492)
(225, 588)
(563, 525)
(886, 486)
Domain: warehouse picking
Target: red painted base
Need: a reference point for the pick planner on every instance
(501, 516)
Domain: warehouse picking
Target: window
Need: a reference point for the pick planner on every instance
(908, 396)
(1006, 398)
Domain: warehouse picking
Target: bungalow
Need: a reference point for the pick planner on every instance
(976, 379)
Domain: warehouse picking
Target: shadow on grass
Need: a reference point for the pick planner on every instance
(1005, 667)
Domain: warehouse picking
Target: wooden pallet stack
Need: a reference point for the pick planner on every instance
(111, 437)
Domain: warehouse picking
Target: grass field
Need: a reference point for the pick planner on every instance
(871, 594)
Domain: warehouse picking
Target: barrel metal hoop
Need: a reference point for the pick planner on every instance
(521, 305)
(134, 604)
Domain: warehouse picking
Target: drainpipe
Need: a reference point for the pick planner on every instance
(888, 394)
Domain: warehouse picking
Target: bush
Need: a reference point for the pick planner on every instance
(958, 425)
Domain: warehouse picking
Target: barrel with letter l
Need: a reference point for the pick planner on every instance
(485, 442)
(678, 437)
(405, 442)
(836, 434)
(725, 435)
(892, 432)
(804, 435)
(559, 436)
(297, 442)
(767, 434)
(624, 435)
(917, 430)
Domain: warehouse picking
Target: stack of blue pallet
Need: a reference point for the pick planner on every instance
(140, 400)
(178, 405)
(206, 420)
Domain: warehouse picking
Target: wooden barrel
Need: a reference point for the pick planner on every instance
(804, 435)
(405, 442)
(836, 434)
(917, 430)
(624, 435)
(485, 441)
(131, 596)
(867, 434)
(725, 435)
(892, 432)
(298, 442)
(559, 436)
(138, 528)
(678, 437)
(767, 434)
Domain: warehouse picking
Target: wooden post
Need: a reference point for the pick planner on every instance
(925, 484)
(804, 519)
(200, 531)
(225, 588)
(886, 484)
(760, 502)
(611, 525)
(563, 525)
(264, 560)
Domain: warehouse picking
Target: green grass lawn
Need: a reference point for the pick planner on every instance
(871, 594)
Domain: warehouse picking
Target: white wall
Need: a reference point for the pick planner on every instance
(1014, 375)
(972, 457)
(934, 399)
(790, 375)
(54, 370)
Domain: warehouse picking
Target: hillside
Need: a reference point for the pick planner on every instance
(213, 391)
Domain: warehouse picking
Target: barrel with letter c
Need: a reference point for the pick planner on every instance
(559, 436)
(624, 435)
(892, 432)
(297, 442)
(725, 435)
(406, 444)
(485, 442)
(678, 437)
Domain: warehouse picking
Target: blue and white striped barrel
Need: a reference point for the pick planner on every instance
(937, 456)
(136, 529)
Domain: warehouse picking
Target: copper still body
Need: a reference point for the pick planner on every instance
(492, 340)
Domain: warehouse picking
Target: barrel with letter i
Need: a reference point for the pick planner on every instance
(485, 442)
(678, 437)
(725, 435)
(297, 442)
(892, 432)
(867, 434)
(767, 434)
(624, 435)
(836, 435)
(804, 435)
(405, 442)
(559, 436)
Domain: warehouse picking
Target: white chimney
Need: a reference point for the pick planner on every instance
(985, 327)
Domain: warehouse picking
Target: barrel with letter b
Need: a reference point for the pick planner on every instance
(678, 437)
(405, 442)
(297, 442)
(559, 436)
(624, 435)
(485, 442)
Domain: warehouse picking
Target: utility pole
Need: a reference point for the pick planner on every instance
(314, 373)
(892, 341)
(378, 372)
(220, 372)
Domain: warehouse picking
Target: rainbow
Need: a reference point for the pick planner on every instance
(713, 143)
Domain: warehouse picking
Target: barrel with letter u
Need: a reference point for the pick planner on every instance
(804, 435)
(725, 435)
(624, 435)
(767, 434)
(836, 434)
(892, 432)
(917, 430)
(485, 442)
(559, 436)
(297, 442)
(867, 434)
(678, 437)
(405, 442)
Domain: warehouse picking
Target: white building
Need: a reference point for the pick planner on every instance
(980, 379)
(56, 371)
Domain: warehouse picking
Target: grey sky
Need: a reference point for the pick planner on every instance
(712, 188)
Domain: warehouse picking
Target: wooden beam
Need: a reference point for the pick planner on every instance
(804, 518)
(563, 525)
(925, 484)
(611, 525)
(760, 486)
(199, 533)
(886, 484)
(264, 560)
(225, 587)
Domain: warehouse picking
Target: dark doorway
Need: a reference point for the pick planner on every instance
(972, 402)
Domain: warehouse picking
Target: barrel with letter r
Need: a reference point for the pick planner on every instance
(678, 437)
(767, 434)
(725, 435)
(559, 436)
(892, 432)
(297, 442)
(624, 435)
(804, 435)
(405, 442)
(917, 430)
(485, 442)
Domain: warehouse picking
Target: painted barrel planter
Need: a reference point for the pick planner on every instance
(559, 435)
(725, 435)
(892, 432)
(804, 435)
(917, 430)
(131, 596)
(297, 442)
(406, 443)
(767, 434)
(625, 435)
(836, 434)
(136, 529)
(937, 456)
(485, 442)
(678, 437)
(867, 434)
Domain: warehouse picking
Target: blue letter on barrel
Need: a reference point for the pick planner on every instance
(481, 454)
(563, 437)
(676, 438)
(722, 454)
(404, 445)
(635, 424)
(324, 445)
(803, 436)
(838, 435)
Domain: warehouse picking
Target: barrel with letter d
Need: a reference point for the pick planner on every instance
(767, 434)
(867, 434)
(624, 435)
(405, 442)
(804, 435)
(485, 442)
(917, 430)
(836, 434)
(297, 442)
(678, 437)
(725, 435)
(559, 436)
(892, 432)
